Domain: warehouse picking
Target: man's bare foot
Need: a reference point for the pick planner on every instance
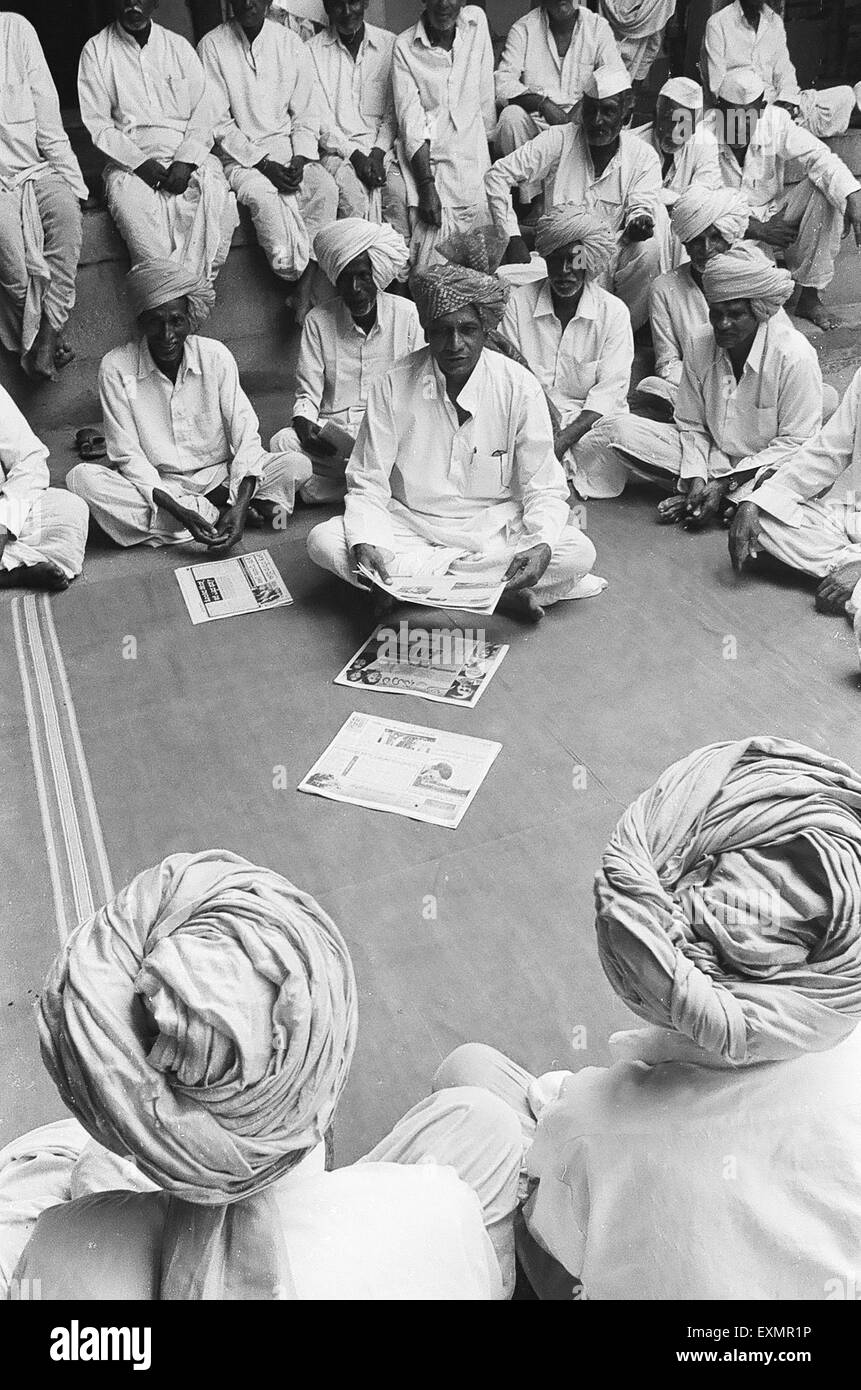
(43, 575)
(810, 307)
(523, 602)
(40, 359)
(671, 509)
(63, 354)
(836, 589)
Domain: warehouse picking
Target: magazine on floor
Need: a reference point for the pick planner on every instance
(452, 666)
(224, 588)
(469, 595)
(426, 774)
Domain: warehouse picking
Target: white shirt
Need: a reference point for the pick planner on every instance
(695, 162)
(144, 103)
(357, 94)
(185, 436)
(629, 187)
(776, 141)
(339, 362)
(832, 456)
(262, 94)
(23, 466)
(586, 366)
(32, 139)
(679, 1178)
(730, 42)
(531, 62)
(447, 98)
(769, 412)
(456, 485)
(677, 310)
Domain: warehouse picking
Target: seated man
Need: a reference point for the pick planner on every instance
(685, 146)
(705, 221)
(43, 530)
(346, 345)
(184, 451)
(143, 99)
(718, 1156)
(574, 336)
(267, 125)
(638, 26)
(608, 171)
(40, 214)
(750, 394)
(454, 470)
(805, 220)
(549, 54)
(212, 1047)
(807, 511)
(352, 61)
(442, 74)
(750, 34)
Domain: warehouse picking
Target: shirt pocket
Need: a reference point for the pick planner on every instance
(486, 475)
(174, 94)
(583, 378)
(16, 104)
(765, 426)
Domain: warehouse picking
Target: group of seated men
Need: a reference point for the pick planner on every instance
(736, 395)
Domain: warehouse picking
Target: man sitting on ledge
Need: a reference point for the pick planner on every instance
(183, 443)
(454, 469)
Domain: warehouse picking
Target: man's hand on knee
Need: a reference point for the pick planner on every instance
(372, 558)
(527, 567)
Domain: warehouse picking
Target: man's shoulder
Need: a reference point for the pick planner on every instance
(508, 374)
(217, 38)
(528, 24)
(404, 373)
(119, 361)
(790, 341)
(672, 283)
(701, 347)
(18, 28)
(211, 352)
(383, 38)
(612, 305)
(641, 150)
(170, 39)
(400, 309)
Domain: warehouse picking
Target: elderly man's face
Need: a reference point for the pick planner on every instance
(701, 248)
(166, 328)
(565, 271)
(356, 286)
(561, 11)
(740, 122)
(134, 15)
(443, 14)
(348, 16)
(456, 341)
(674, 124)
(249, 14)
(733, 322)
(604, 117)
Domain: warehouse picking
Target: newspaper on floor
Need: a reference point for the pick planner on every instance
(471, 595)
(425, 774)
(240, 584)
(452, 666)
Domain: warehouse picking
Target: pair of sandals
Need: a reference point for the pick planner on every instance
(90, 443)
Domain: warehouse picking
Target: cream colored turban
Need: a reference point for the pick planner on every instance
(699, 208)
(203, 1022)
(155, 282)
(341, 242)
(745, 273)
(729, 901)
(568, 225)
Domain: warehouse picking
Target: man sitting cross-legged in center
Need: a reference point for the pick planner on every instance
(183, 444)
(347, 344)
(454, 470)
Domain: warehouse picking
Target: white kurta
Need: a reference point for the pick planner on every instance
(446, 99)
(731, 42)
(43, 523)
(639, 28)
(265, 106)
(37, 262)
(677, 310)
(531, 61)
(679, 1178)
(150, 102)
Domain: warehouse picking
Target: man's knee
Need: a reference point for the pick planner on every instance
(471, 1064)
(327, 545)
(85, 480)
(515, 127)
(491, 1119)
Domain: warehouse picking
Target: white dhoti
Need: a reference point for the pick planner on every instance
(286, 223)
(194, 227)
(828, 112)
(40, 245)
(386, 204)
(54, 529)
(128, 518)
(635, 265)
(514, 129)
(828, 538)
(810, 258)
(314, 491)
(424, 239)
(572, 560)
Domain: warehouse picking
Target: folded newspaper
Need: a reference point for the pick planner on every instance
(452, 666)
(240, 584)
(424, 774)
(478, 595)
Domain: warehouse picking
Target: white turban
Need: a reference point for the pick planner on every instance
(729, 901)
(341, 242)
(682, 91)
(607, 81)
(745, 273)
(155, 282)
(203, 1022)
(700, 207)
(568, 224)
(741, 87)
